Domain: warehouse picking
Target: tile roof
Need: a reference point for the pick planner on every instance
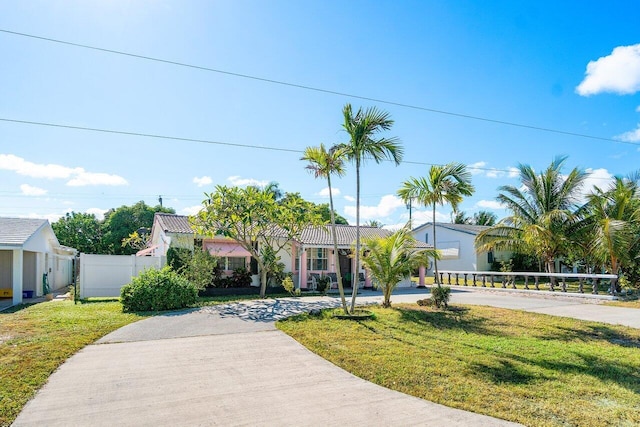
(171, 223)
(16, 231)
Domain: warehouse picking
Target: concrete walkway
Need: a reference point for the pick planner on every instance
(229, 365)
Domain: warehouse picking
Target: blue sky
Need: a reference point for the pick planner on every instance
(569, 66)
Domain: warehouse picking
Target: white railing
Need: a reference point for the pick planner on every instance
(508, 280)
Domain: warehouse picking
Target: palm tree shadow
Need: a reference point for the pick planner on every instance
(454, 318)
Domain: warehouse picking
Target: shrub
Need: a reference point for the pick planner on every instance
(426, 302)
(241, 278)
(155, 290)
(440, 295)
(287, 284)
(201, 270)
(322, 285)
(178, 258)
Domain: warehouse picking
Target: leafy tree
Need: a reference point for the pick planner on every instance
(444, 184)
(323, 163)
(326, 212)
(254, 219)
(81, 231)
(121, 222)
(392, 258)
(362, 128)
(485, 218)
(542, 214)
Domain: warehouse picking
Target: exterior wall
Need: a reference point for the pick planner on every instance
(104, 275)
(62, 274)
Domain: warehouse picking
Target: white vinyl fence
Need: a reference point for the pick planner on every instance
(104, 275)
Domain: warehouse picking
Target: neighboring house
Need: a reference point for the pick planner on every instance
(311, 254)
(29, 250)
(457, 245)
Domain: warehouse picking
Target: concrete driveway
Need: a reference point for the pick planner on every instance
(229, 365)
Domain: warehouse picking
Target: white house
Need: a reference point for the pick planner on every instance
(456, 243)
(29, 254)
(311, 255)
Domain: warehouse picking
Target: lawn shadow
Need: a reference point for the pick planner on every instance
(505, 372)
(453, 318)
(594, 332)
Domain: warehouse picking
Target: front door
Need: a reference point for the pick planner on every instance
(345, 266)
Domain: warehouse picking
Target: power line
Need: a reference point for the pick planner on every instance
(207, 141)
(315, 89)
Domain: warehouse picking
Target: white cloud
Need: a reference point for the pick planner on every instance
(421, 216)
(513, 172)
(638, 109)
(494, 173)
(325, 192)
(240, 182)
(83, 179)
(618, 72)
(476, 168)
(489, 204)
(350, 199)
(631, 136)
(201, 182)
(99, 213)
(29, 190)
(388, 204)
(597, 177)
(191, 210)
(77, 176)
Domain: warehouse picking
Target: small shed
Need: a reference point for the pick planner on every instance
(29, 254)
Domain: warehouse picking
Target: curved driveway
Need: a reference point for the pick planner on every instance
(229, 365)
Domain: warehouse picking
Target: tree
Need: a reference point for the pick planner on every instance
(444, 184)
(484, 218)
(461, 218)
(326, 212)
(362, 128)
(323, 163)
(611, 219)
(542, 214)
(81, 231)
(254, 219)
(392, 258)
(121, 222)
(374, 223)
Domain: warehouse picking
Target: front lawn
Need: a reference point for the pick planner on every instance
(36, 339)
(534, 369)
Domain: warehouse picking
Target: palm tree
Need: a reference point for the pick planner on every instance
(445, 184)
(362, 127)
(374, 223)
(390, 259)
(460, 217)
(484, 218)
(542, 214)
(613, 214)
(323, 163)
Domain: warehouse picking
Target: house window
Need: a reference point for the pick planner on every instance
(426, 238)
(231, 263)
(490, 257)
(317, 259)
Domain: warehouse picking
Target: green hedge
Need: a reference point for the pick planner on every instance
(156, 290)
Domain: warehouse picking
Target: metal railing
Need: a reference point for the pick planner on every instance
(530, 280)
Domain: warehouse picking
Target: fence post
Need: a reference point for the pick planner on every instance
(492, 282)
(564, 284)
(537, 283)
(474, 280)
(581, 285)
(526, 282)
(465, 279)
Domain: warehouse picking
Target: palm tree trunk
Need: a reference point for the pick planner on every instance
(336, 257)
(356, 274)
(435, 261)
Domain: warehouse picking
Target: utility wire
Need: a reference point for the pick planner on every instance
(315, 89)
(203, 141)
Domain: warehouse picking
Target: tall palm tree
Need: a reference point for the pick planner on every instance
(362, 128)
(323, 163)
(444, 184)
(543, 213)
(484, 218)
(613, 214)
(390, 259)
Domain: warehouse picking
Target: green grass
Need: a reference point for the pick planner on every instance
(534, 369)
(36, 339)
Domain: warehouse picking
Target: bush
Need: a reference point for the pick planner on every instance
(440, 295)
(241, 278)
(201, 270)
(156, 290)
(322, 285)
(287, 284)
(178, 258)
(426, 302)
